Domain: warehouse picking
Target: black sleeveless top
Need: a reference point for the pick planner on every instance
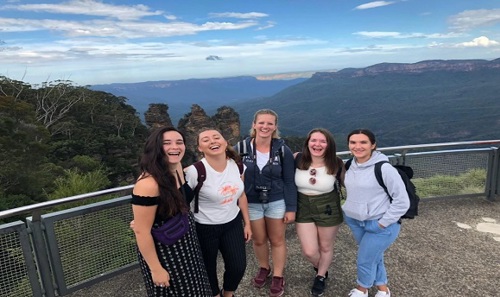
(149, 201)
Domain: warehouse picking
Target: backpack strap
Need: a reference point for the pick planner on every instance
(378, 176)
(282, 153)
(240, 167)
(297, 159)
(348, 164)
(202, 176)
(241, 148)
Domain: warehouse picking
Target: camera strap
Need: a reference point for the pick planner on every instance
(254, 151)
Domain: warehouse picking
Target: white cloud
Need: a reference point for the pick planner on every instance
(481, 41)
(399, 35)
(89, 7)
(377, 34)
(269, 24)
(120, 29)
(470, 19)
(238, 15)
(373, 4)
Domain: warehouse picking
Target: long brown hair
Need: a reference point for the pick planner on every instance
(332, 162)
(154, 163)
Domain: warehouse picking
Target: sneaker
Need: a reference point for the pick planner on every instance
(316, 269)
(277, 286)
(260, 279)
(318, 287)
(383, 293)
(358, 293)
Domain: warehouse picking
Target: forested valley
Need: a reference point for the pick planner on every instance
(59, 139)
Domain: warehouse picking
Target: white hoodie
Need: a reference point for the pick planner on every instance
(367, 200)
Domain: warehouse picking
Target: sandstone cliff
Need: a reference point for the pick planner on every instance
(419, 67)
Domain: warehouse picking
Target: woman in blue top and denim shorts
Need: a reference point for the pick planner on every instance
(271, 194)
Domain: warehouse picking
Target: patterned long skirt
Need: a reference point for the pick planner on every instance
(184, 262)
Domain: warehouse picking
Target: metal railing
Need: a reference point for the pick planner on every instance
(56, 253)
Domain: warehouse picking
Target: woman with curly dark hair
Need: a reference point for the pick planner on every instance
(171, 262)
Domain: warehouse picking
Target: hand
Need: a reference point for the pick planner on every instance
(381, 226)
(289, 217)
(161, 277)
(132, 225)
(248, 232)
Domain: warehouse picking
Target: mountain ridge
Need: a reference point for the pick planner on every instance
(211, 93)
(424, 102)
(418, 67)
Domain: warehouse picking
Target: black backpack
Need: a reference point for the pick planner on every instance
(406, 173)
(202, 176)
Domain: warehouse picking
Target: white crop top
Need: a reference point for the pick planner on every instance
(324, 183)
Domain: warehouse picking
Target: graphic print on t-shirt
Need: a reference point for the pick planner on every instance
(228, 191)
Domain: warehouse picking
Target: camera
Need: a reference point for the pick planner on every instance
(263, 193)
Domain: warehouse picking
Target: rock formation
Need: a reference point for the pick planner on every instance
(157, 116)
(226, 120)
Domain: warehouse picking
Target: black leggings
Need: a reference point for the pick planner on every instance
(229, 239)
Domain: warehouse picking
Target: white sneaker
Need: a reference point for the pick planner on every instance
(383, 293)
(358, 293)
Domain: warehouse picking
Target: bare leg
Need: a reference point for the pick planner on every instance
(276, 233)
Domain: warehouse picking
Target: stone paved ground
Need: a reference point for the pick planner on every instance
(446, 251)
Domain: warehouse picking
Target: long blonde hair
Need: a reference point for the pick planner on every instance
(276, 133)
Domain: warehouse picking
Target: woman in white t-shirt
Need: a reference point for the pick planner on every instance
(222, 208)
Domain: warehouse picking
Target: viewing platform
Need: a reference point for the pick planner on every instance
(451, 249)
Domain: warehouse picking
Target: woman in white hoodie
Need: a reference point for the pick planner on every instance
(373, 219)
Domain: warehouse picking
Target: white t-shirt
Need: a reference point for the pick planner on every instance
(262, 159)
(324, 182)
(218, 195)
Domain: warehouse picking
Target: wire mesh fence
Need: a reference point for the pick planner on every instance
(14, 281)
(91, 242)
(454, 173)
(87, 243)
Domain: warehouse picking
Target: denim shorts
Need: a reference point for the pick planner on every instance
(272, 210)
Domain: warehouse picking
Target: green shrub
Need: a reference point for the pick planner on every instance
(470, 182)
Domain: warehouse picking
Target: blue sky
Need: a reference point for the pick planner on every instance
(97, 42)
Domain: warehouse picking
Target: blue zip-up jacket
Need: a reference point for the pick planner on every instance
(278, 175)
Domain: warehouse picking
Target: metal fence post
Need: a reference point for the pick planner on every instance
(492, 182)
(42, 258)
(495, 182)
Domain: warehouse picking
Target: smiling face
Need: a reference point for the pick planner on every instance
(173, 146)
(211, 142)
(317, 144)
(361, 147)
(264, 125)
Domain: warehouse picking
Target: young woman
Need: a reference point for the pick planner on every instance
(222, 206)
(159, 194)
(318, 207)
(373, 219)
(272, 196)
